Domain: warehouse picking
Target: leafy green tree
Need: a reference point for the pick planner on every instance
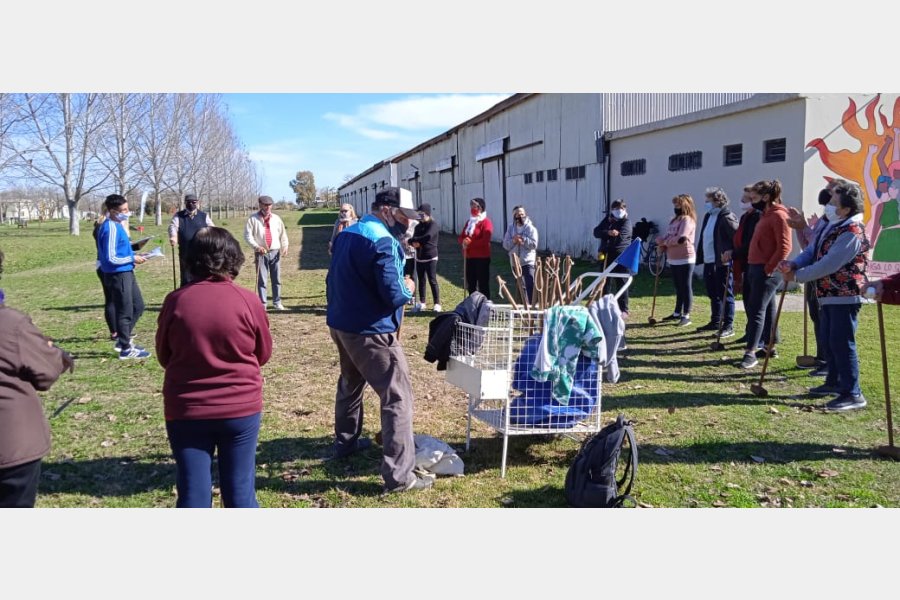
(304, 186)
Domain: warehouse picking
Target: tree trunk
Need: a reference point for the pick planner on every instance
(158, 208)
(74, 225)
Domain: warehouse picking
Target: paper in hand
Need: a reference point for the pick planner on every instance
(155, 253)
(138, 244)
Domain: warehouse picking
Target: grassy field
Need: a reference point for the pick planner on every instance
(704, 439)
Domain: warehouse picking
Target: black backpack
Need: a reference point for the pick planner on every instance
(591, 481)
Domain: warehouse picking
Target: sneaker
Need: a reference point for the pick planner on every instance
(418, 306)
(727, 332)
(119, 348)
(846, 402)
(824, 390)
(279, 306)
(419, 483)
(709, 327)
(438, 308)
(362, 443)
(135, 352)
(819, 372)
(761, 353)
(748, 362)
(685, 320)
(672, 317)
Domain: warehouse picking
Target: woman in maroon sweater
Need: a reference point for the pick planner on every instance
(212, 338)
(770, 244)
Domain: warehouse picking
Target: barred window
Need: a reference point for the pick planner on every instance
(551, 175)
(527, 177)
(539, 176)
(634, 167)
(733, 155)
(575, 172)
(775, 150)
(686, 161)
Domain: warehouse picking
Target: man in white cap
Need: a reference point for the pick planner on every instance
(265, 232)
(366, 294)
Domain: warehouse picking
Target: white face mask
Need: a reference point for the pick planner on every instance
(831, 212)
(709, 206)
(618, 213)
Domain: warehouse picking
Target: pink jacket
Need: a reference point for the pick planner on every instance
(678, 228)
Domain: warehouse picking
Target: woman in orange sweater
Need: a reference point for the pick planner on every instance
(771, 244)
(678, 244)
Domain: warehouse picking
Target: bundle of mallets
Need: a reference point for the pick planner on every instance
(552, 284)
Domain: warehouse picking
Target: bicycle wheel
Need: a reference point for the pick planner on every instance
(654, 264)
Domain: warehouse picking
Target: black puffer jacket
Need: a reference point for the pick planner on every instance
(475, 310)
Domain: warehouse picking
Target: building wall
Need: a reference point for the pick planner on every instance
(649, 195)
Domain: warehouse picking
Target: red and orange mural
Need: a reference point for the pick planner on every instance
(875, 166)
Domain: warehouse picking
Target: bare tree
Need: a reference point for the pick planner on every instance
(156, 144)
(118, 152)
(57, 145)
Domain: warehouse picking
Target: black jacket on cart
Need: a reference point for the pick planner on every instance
(474, 310)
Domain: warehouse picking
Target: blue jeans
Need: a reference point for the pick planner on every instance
(270, 263)
(193, 442)
(714, 278)
(838, 322)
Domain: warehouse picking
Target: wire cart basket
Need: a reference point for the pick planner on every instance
(493, 364)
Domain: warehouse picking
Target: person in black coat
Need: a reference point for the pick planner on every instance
(738, 255)
(425, 241)
(717, 237)
(614, 233)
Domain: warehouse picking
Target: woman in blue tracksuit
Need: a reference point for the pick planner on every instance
(117, 261)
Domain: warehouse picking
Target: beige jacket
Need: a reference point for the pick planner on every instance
(255, 232)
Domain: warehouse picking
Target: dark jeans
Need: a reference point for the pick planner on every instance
(761, 305)
(839, 326)
(109, 308)
(714, 277)
(18, 485)
(193, 442)
(429, 270)
(613, 283)
(185, 272)
(128, 302)
(478, 275)
(683, 278)
(528, 279)
(746, 288)
(812, 306)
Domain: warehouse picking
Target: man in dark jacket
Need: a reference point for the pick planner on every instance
(614, 233)
(29, 362)
(366, 293)
(185, 224)
(717, 237)
(738, 255)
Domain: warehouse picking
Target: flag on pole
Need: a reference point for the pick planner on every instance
(631, 258)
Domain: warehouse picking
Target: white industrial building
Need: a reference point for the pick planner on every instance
(566, 156)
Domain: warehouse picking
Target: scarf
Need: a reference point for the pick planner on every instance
(472, 222)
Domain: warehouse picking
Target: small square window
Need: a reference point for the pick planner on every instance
(527, 177)
(733, 155)
(575, 172)
(539, 176)
(552, 175)
(775, 150)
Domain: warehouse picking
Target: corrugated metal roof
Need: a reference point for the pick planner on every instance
(621, 111)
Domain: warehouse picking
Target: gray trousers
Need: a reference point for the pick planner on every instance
(269, 263)
(379, 361)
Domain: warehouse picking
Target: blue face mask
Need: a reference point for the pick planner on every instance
(122, 217)
(831, 212)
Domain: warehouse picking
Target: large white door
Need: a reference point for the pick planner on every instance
(493, 195)
(448, 203)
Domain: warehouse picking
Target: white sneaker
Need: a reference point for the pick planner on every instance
(418, 307)
(279, 306)
(437, 308)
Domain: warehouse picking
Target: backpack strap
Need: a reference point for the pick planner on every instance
(630, 467)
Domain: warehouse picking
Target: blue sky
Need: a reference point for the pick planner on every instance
(334, 135)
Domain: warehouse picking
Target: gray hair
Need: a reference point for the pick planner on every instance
(717, 195)
(850, 197)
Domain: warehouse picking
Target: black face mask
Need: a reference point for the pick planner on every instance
(679, 212)
(824, 197)
(761, 205)
(520, 220)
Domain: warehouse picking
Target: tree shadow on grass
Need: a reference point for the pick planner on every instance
(742, 452)
(112, 476)
(682, 400)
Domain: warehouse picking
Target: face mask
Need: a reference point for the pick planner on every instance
(121, 217)
(519, 220)
(618, 213)
(831, 212)
(761, 205)
(709, 206)
(474, 212)
(344, 214)
(679, 212)
(746, 206)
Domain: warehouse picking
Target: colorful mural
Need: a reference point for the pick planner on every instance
(875, 166)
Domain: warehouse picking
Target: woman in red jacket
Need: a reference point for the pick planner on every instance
(476, 243)
(212, 338)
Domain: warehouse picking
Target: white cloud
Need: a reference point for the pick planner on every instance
(415, 113)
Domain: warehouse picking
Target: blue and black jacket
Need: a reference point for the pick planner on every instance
(364, 285)
(114, 248)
